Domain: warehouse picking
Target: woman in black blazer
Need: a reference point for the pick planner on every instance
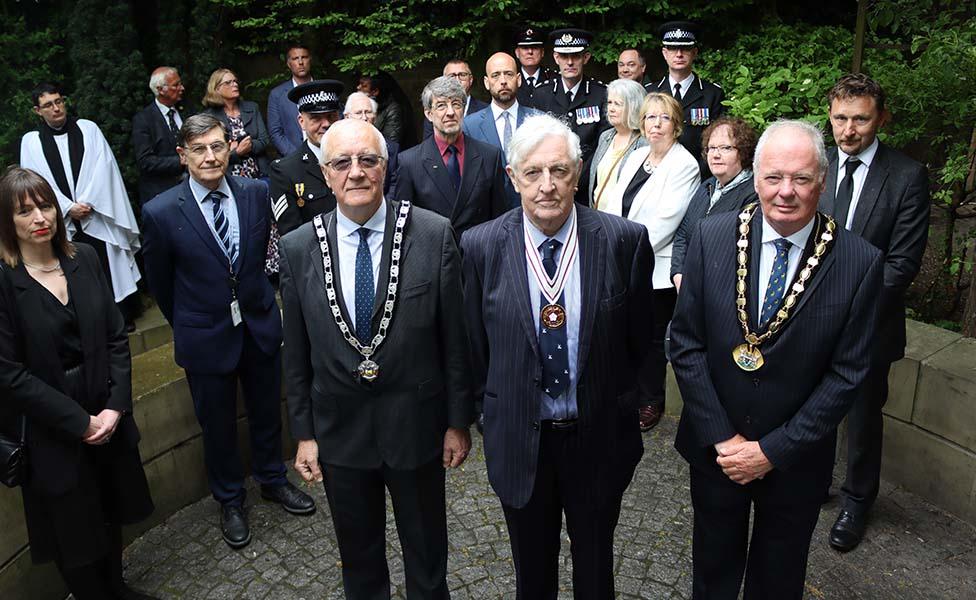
(65, 365)
(249, 139)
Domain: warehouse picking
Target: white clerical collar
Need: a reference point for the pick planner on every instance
(165, 109)
(685, 83)
(346, 226)
(537, 237)
(316, 150)
(200, 191)
(798, 239)
(865, 157)
(575, 87)
(497, 111)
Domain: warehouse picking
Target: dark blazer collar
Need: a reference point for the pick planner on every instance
(191, 212)
(871, 190)
(470, 173)
(311, 162)
(433, 164)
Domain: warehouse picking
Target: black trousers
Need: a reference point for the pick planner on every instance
(865, 430)
(100, 579)
(786, 508)
(215, 403)
(591, 518)
(358, 504)
(662, 305)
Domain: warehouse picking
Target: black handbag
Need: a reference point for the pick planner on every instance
(13, 457)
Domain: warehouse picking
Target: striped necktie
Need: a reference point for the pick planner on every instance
(222, 225)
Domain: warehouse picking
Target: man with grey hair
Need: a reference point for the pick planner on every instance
(204, 245)
(770, 342)
(460, 71)
(363, 107)
(155, 130)
(556, 302)
(450, 173)
(378, 381)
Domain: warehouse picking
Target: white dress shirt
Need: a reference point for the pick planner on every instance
(347, 234)
(767, 256)
(498, 113)
(165, 110)
(685, 84)
(228, 205)
(575, 88)
(860, 175)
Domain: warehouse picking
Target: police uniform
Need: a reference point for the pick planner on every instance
(526, 38)
(702, 103)
(298, 189)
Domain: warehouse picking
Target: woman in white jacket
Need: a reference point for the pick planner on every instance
(654, 189)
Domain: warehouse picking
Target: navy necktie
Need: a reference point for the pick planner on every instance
(171, 115)
(552, 342)
(222, 226)
(454, 167)
(777, 281)
(364, 287)
(845, 193)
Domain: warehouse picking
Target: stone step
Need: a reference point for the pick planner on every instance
(152, 331)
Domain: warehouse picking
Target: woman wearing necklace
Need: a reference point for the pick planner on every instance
(728, 145)
(66, 369)
(624, 98)
(654, 189)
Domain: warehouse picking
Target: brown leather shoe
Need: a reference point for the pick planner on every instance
(649, 416)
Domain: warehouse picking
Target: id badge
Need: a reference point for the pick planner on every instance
(235, 312)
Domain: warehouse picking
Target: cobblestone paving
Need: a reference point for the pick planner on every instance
(913, 550)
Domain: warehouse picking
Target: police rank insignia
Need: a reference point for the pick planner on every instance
(587, 114)
(299, 190)
(699, 117)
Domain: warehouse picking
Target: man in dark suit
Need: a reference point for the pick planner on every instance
(529, 50)
(360, 105)
(701, 101)
(378, 381)
(770, 342)
(155, 130)
(883, 196)
(286, 134)
(579, 101)
(449, 173)
(556, 301)
(205, 243)
(298, 190)
(461, 71)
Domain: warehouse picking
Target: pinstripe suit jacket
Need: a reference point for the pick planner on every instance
(615, 281)
(813, 368)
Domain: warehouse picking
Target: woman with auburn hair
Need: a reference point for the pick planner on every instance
(65, 375)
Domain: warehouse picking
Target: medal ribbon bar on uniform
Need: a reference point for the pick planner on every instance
(553, 288)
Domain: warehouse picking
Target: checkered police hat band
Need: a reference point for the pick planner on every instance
(319, 98)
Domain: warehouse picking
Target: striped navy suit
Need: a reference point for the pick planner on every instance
(616, 263)
(792, 405)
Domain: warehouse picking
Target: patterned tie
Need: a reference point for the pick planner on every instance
(552, 342)
(364, 287)
(677, 92)
(222, 225)
(777, 281)
(507, 133)
(171, 115)
(454, 167)
(845, 193)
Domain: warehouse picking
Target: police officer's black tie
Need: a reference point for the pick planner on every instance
(677, 92)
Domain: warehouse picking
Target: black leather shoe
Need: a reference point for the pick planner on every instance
(480, 423)
(233, 526)
(290, 498)
(847, 531)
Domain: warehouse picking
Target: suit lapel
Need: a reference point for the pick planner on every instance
(592, 257)
(383, 281)
(84, 310)
(873, 183)
(830, 185)
(487, 125)
(434, 166)
(243, 220)
(688, 97)
(826, 262)
(517, 276)
(191, 212)
(472, 170)
(753, 301)
(315, 251)
(27, 292)
(312, 167)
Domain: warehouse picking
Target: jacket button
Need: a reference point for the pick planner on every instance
(755, 382)
(748, 420)
(535, 425)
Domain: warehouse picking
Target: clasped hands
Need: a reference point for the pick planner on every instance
(101, 427)
(742, 461)
(457, 445)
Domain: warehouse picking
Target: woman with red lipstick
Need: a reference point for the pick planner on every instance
(65, 367)
(654, 188)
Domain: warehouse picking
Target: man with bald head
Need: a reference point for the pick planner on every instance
(770, 342)
(377, 366)
(155, 130)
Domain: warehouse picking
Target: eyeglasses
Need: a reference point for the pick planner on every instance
(464, 76)
(229, 82)
(662, 118)
(441, 106)
(52, 104)
(359, 114)
(200, 150)
(720, 149)
(344, 163)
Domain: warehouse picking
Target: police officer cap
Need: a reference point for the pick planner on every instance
(529, 36)
(319, 96)
(570, 41)
(679, 34)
